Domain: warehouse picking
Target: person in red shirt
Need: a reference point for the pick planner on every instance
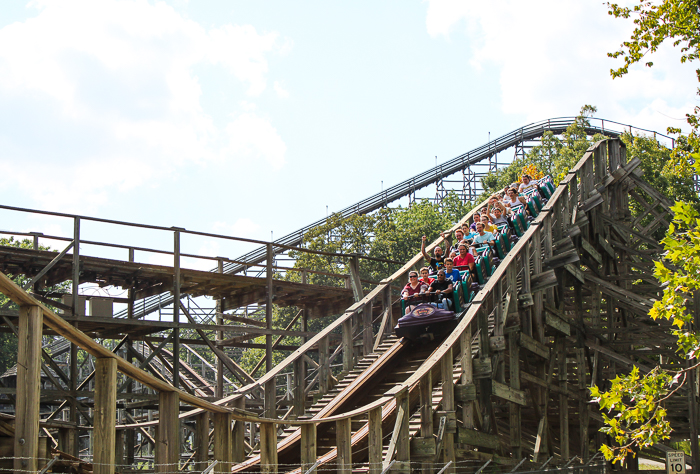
(412, 288)
(424, 272)
(464, 259)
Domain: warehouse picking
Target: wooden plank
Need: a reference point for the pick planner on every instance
(477, 438)
(465, 393)
(554, 320)
(343, 444)
(543, 281)
(590, 250)
(505, 392)
(168, 440)
(606, 246)
(423, 448)
(26, 445)
(561, 259)
(536, 347)
(576, 272)
(375, 441)
(268, 448)
(308, 447)
(105, 416)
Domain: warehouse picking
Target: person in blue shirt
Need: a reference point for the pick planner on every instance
(451, 273)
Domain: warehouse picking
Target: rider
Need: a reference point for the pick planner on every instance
(451, 273)
(437, 260)
(424, 276)
(442, 287)
(413, 287)
(465, 259)
(527, 184)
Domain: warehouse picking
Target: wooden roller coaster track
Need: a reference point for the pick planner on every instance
(564, 310)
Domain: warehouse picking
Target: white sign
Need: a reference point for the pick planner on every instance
(675, 462)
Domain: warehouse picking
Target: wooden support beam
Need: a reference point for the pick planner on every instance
(268, 448)
(201, 441)
(467, 378)
(515, 415)
(168, 440)
(343, 444)
(583, 417)
(347, 346)
(105, 419)
(356, 283)
(375, 441)
(367, 331)
(299, 387)
(119, 451)
(324, 369)
(26, 449)
(238, 434)
(448, 405)
(426, 413)
(563, 399)
(223, 449)
(308, 447)
(403, 413)
(270, 400)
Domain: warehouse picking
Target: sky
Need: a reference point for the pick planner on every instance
(252, 119)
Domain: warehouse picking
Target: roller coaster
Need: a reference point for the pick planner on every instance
(545, 316)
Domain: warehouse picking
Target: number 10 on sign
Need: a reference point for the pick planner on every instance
(675, 462)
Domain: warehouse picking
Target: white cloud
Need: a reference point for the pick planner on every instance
(552, 59)
(102, 97)
(281, 91)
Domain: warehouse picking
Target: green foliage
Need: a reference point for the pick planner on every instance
(638, 416)
(677, 20)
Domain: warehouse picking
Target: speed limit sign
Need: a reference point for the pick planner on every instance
(675, 462)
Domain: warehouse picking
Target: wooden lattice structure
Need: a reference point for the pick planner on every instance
(565, 309)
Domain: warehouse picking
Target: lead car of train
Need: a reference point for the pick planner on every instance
(426, 321)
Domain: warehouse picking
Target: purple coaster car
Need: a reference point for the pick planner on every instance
(426, 322)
